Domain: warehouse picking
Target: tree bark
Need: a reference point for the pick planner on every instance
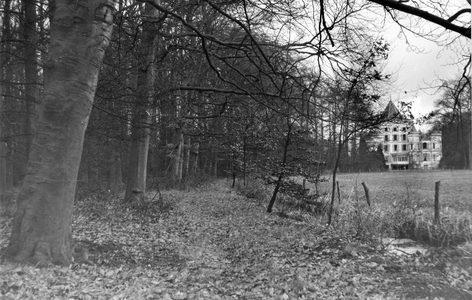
(176, 155)
(41, 232)
(195, 156)
(3, 168)
(30, 37)
(6, 74)
(115, 180)
(141, 131)
(3, 158)
(137, 170)
(187, 146)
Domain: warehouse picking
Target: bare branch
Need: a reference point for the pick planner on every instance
(398, 5)
(457, 14)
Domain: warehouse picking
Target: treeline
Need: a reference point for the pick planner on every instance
(452, 117)
(188, 90)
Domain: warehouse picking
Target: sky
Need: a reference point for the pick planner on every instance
(416, 64)
(417, 67)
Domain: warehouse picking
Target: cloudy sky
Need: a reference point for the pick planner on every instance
(418, 65)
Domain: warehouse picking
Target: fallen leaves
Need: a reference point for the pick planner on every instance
(215, 244)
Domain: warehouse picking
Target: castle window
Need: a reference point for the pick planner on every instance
(386, 138)
(434, 157)
(395, 147)
(386, 148)
(425, 145)
(404, 147)
(386, 129)
(403, 129)
(425, 157)
(403, 137)
(395, 137)
(434, 146)
(394, 128)
(411, 146)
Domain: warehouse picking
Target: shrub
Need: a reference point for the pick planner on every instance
(254, 189)
(454, 230)
(371, 225)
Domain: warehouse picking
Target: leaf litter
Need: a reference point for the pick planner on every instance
(216, 244)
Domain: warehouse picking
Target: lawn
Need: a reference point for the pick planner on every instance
(419, 186)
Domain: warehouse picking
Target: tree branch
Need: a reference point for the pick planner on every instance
(398, 5)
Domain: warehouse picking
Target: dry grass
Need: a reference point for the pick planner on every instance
(405, 200)
(455, 191)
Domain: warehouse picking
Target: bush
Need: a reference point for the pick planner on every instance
(254, 189)
(453, 230)
(355, 219)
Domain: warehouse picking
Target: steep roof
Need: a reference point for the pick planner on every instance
(413, 129)
(391, 111)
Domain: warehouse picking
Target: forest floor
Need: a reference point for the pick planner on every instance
(213, 243)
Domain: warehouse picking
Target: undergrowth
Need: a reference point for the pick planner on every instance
(355, 219)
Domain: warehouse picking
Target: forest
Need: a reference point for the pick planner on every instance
(126, 104)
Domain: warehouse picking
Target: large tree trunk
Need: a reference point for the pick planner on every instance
(41, 232)
(140, 134)
(137, 168)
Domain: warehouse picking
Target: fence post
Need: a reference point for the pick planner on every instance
(437, 218)
(367, 196)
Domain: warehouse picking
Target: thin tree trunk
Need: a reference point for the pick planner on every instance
(115, 180)
(3, 169)
(141, 132)
(281, 175)
(31, 69)
(195, 156)
(41, 232)
(3, 157)
(6, 75)
(176, 156)
(188, 145)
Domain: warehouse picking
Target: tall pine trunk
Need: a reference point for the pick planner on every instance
(41, 232)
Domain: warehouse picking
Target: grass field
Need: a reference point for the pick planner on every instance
(455, 188)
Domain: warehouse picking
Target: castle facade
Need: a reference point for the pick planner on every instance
(403, 145)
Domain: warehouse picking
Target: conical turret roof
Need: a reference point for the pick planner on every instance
(391, 111)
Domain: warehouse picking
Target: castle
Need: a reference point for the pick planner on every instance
(403, 146)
